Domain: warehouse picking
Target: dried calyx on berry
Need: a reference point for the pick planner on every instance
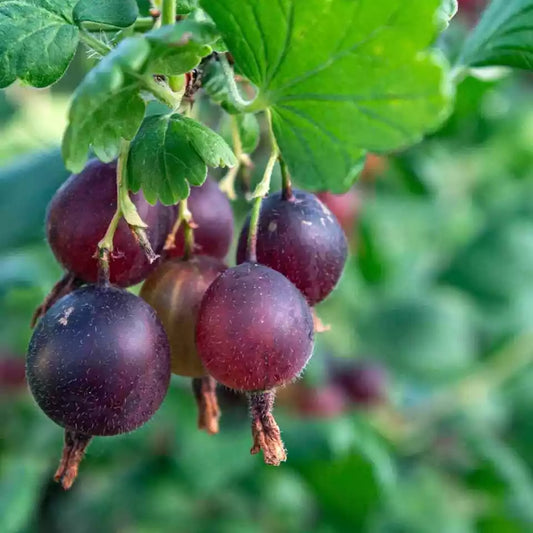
(255, 333)
(98, 364)
(175, 290)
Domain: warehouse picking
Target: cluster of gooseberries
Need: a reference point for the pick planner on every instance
(100, 358)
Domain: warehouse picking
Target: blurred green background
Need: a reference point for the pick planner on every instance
(438, 291)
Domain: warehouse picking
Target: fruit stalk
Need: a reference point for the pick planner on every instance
(265, 431)
(140, 25)
(188, 230)
(168, 12)
(206, 398)
(227, 183)
(105, 246)
(168, 17)
(285, 180)
(73, 452)
(261, 191)
(184, 217)
(125, 209)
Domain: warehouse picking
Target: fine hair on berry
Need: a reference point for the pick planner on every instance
(254, 329)
(78, 217)
(99, 361)
(298, 236)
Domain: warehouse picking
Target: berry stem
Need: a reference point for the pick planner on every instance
(125, 209)
(73, 452)
(206, 398)
(260, 191)
(227, 183)
(168, 12)
(168, 18)
(64, 286)
(184, 217)
(265, 430)
(141, 24)
(166, 95)
(251, 246)
(285, 180)
(188, 230)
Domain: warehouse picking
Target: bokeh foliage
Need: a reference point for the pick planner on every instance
(439, 288)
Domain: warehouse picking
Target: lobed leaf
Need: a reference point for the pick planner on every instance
(502, 36)
(169, 153)
(178, 49)
(114, 13)
(106, 106)
(341, 77)
(37, 41)
(184, 7)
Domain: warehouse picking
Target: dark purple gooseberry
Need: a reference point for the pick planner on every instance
(98, 364)
(255, 332)
(78, 217)
(213, 219)
(299, 237)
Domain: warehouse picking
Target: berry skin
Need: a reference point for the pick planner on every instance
(254, 329)
(300, 238)
(212, 214)
(175, 291)
(78, 217)
(99, 361)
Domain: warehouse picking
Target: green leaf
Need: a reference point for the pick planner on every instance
(340, 78)
(178, 49)
(115, 13)
(106, 106)
(184, 7)
(169, 153)
(144, 7)
(502, 36)
(37, 41)
(249, 132)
